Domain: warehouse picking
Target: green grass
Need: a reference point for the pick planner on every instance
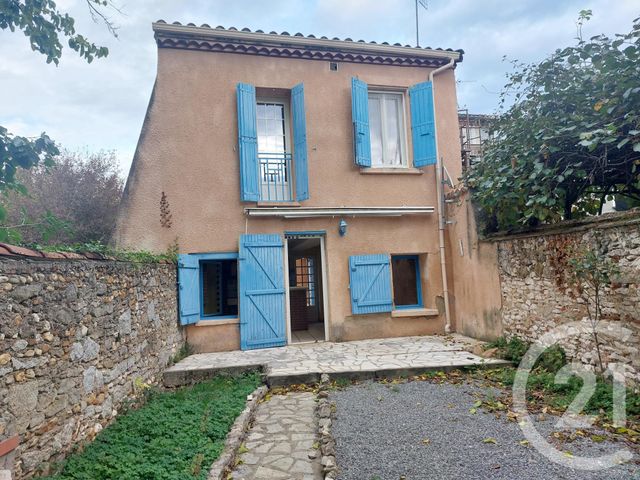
(175, 435)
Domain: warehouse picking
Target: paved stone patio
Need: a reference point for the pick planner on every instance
(281, 440)
(360, 359)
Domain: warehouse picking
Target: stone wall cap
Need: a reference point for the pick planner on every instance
(22, 251)
(600, 222)
(15, 252)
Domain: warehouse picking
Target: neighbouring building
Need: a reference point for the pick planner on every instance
(298, 177)
(474, 132)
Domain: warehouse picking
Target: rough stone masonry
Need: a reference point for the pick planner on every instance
(77, 339)
(537, 294)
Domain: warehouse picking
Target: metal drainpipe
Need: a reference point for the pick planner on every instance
(440, 193)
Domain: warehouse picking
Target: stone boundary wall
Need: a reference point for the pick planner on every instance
(78, 338)
(537, 295)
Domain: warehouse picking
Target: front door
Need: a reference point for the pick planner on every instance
(262, 292)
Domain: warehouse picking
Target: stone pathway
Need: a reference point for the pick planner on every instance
(280, 441)
(305, 363)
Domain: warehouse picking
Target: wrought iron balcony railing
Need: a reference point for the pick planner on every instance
(275, 177)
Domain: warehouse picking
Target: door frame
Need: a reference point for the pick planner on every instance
(323, 280)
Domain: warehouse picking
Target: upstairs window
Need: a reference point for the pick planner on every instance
(379, 137)
(273, 166)
(387, 127)
(274, 152)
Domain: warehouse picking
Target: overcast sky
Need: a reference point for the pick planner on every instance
(102, 105)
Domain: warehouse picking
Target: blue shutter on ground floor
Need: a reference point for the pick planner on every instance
(360, 116)
(423, 124)
(262, 292)
(300, 142)
(370, 278)
(189, 289)
(248, 143)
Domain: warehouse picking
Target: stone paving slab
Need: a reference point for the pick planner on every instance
(361, 359)
(281, 441)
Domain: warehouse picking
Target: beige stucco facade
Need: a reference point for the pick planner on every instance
(188, 149)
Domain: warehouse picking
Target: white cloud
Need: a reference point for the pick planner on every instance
(102, 105)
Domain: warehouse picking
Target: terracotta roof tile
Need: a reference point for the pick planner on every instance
(73, 255)
(25, 252)
(53, 255)
(287, 34)
(93, 256)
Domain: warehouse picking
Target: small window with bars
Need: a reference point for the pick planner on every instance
(305, 277)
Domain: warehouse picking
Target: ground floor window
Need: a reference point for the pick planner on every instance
(405, 272)
(219, 287)
(305, 277)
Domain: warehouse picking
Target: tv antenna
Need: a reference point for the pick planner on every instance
(424, 4)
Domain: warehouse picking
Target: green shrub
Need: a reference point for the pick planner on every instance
(512, 349)
(552, 359)
(176, 435)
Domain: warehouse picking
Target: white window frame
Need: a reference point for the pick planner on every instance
(403, 127)
(278, 191)
(287, 117)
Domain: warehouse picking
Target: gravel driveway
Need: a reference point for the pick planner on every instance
(422, 430)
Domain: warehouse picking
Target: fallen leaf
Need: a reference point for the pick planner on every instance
(426, 441)
(597, 438)
(490, 440)
(524, 443)
(473, 411)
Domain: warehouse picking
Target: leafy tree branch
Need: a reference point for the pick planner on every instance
(570, 138)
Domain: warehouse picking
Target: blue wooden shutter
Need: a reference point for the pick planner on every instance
(360, 116)
(248, 143)
(423, 124)
(300, 142)
(262, 294)
(189, 289)
(370, 278)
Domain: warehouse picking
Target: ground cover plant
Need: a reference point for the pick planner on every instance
(544, 393)
(174, 435)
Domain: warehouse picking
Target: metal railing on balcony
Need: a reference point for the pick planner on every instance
(275, 177)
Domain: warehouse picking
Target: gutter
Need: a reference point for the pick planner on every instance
(440, 192)
(318, 212)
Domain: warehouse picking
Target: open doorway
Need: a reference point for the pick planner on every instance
(306, 292)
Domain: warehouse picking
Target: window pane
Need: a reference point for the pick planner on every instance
(211, 288)
(393, 152)
(405, 281)
(219, 288)
(375, 129)
(305, 277)
(386, 125)
(271, 127)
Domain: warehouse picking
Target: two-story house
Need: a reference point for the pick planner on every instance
(299, 177)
